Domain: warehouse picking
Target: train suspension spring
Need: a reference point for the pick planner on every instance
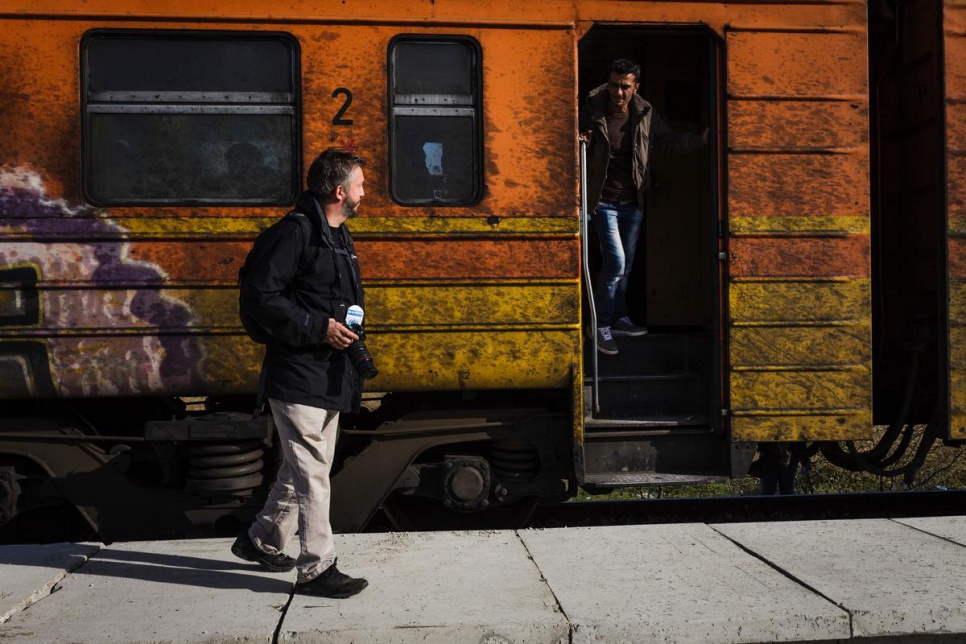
(226, 468)
(514, 459)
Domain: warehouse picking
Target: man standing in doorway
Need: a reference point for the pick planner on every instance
(298, 288)
(622, 128)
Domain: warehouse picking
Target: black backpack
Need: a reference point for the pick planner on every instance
(256, 331)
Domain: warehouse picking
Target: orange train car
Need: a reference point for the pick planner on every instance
(917, 91)
(144, 147)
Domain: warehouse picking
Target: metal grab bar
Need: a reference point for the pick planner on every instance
(588, 284)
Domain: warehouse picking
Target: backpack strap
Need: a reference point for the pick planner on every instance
(303, 267)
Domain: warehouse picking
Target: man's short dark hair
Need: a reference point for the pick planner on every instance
(331, 169)
(625, 66)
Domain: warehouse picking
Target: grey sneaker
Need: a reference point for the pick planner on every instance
(605, 341)
(624, 326)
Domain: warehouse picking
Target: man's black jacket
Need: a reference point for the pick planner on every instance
(295, 306)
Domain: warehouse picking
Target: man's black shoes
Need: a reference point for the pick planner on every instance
(332, 583)
(245, 549)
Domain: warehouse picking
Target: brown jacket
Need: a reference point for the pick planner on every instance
(650, 130)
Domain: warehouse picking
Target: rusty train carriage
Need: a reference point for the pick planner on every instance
(954, 144)
(118, 299)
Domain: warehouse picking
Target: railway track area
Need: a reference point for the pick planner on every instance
(744, 509)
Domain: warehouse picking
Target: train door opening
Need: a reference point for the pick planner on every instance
(658, 417)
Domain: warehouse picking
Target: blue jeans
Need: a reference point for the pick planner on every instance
(618, 227)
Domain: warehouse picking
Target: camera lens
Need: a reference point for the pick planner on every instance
(359, 355)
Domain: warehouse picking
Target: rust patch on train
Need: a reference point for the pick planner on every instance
(957, 259)
(770, 64)
(469, 259)
(795, 125)
(801, 257)
(798, 184)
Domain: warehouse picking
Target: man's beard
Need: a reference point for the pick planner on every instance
(350, 210)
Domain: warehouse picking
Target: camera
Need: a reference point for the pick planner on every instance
(358, 352)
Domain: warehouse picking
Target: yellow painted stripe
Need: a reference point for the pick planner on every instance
(800, 301)
(957, 402)
(424, 361)
(957, 226)
(249, 226)
(957, 302)
(818, 391)
(475, 305)
(232, 364)
(802, 428)
(808, 346)
(388, 306)
(448, 361)
(799, 225)
(957, 347)
(957, 358)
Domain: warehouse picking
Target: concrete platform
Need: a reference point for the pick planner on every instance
(27, 573)
(434, 587)
(173, 591)
(676, 583)
(873, 581)
(892, 578)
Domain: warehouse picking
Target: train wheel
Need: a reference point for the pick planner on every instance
(417, 514)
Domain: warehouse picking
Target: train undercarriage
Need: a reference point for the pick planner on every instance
(170, 468)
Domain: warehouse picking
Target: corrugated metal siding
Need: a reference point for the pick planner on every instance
(798, 207)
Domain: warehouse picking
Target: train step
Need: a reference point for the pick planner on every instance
(652, 452)
(679, 395)
(657, 375)
(654, 354)
(645, 426)
(633, 479)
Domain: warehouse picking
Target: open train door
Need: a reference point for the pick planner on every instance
(798, 213)
(768, 308)
(653, 409)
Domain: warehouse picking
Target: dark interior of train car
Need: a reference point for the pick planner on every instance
(667, 382)
(908, 225)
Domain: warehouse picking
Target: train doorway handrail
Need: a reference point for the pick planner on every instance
(584, 238)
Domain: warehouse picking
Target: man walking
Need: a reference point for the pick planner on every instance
(299, 289)
(623, 128)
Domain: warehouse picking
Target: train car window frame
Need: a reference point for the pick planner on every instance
(212, 156)
(464, 110)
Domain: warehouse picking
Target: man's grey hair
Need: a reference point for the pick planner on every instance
(331, 169)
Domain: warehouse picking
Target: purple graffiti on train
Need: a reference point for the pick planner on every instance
(94, 289)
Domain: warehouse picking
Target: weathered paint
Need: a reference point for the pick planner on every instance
(490, 359)
(95, 365)
(774, 301)
(789, 347)
(792, 226)
(954, 23)
(794, 124)
(798, 216)
(797, 183)
(818, 257)
(827, 425)
(422, 266)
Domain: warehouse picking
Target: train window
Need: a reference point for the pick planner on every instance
(190, 118)
(435, 132)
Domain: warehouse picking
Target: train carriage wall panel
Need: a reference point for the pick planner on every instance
(118, 300)
(954, 41)
(799, 249)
